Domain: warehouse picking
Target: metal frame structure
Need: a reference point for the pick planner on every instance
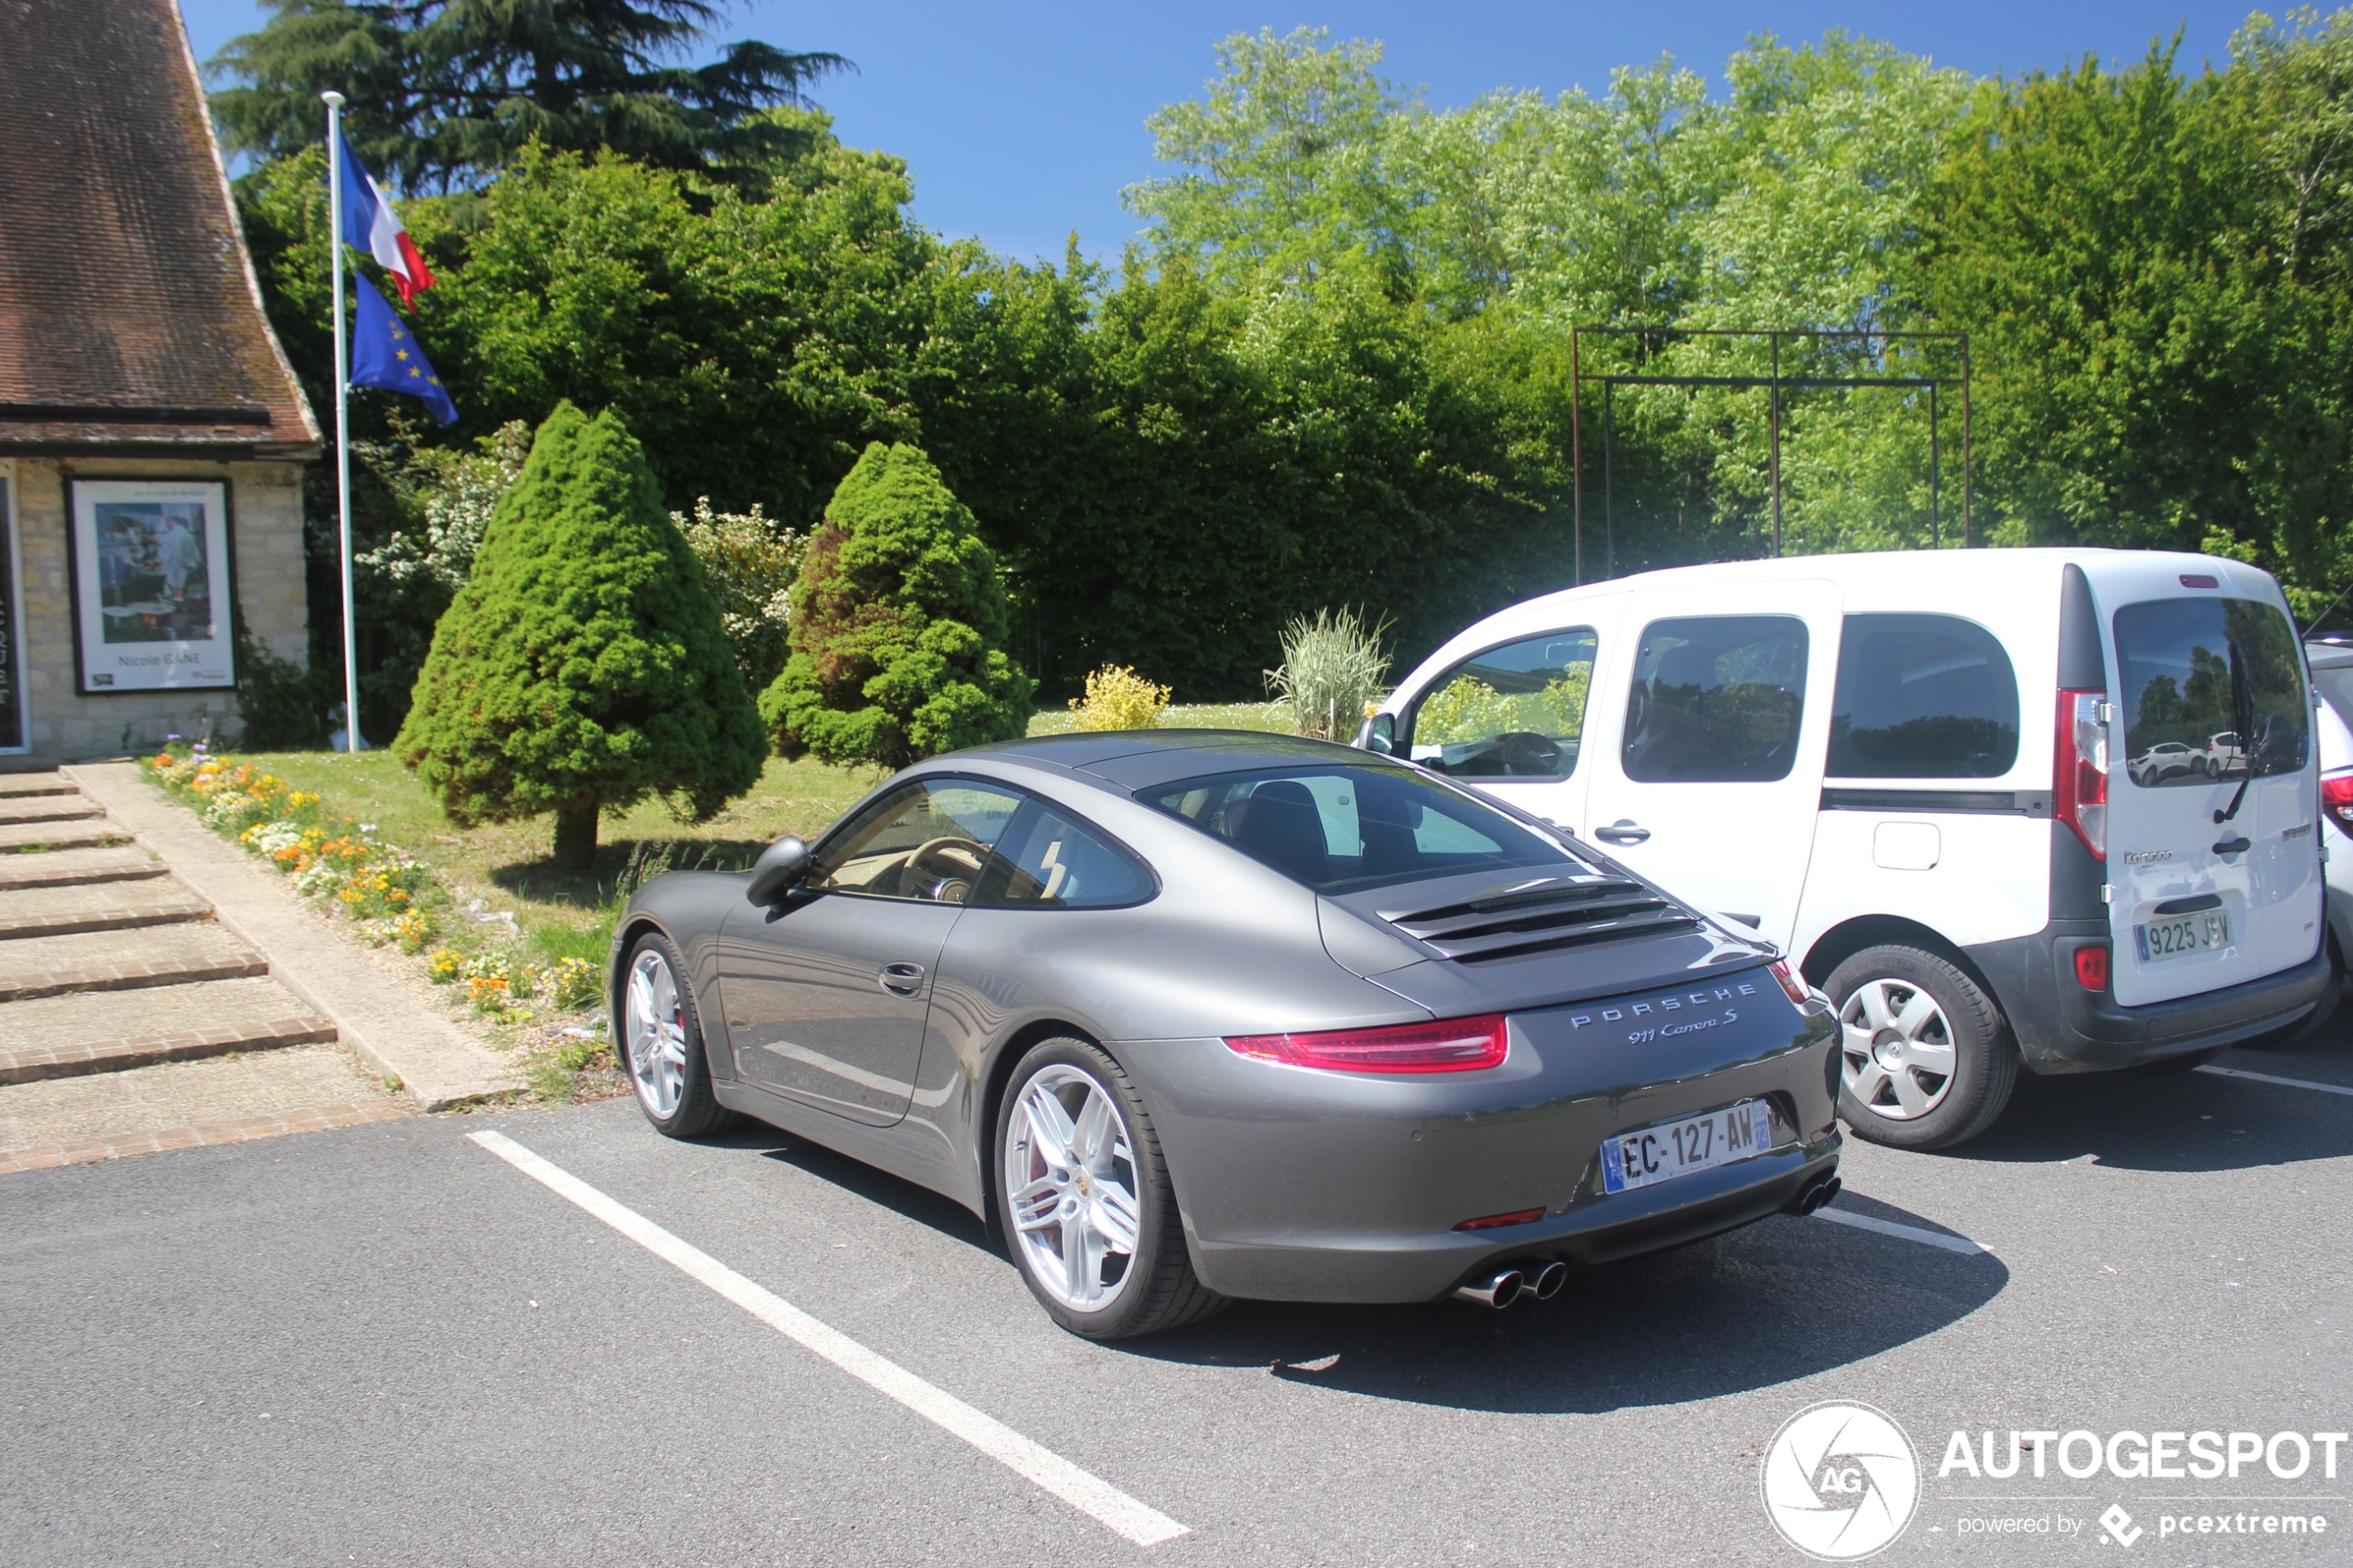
(1775, 382)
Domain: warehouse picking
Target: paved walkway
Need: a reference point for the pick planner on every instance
(159, 991)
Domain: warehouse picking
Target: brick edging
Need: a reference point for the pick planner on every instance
(114, 1055)
(133, 977)
(307, 1119)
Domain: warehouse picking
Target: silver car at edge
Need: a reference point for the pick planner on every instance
(1193, 1015)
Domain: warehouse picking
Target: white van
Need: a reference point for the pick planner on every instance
(1978, 794)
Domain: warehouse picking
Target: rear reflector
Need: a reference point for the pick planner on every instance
(2336, 801)
(1790, 980)
(2079, 769)
(1517, 1217)
(1456, 1045)
(2091, 967)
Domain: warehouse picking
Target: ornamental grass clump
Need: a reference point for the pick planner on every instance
(1118, 698)
(1332, 672)
(897, 626)
(583, 666)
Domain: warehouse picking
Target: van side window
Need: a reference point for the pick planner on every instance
(1512, 712)
(1922, 696)
(1716, 699)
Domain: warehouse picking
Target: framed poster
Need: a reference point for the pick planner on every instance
(151, 589)
(13, 727)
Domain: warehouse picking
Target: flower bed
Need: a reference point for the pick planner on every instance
(392, 898)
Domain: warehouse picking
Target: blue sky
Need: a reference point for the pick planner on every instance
(1022, 120)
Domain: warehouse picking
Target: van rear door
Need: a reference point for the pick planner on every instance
(2213, 865)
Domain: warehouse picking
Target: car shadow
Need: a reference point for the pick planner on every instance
(1780, 1300)
(2184, 1120)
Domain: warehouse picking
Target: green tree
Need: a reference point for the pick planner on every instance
(582, 667)
(899, 626)
(443, 93)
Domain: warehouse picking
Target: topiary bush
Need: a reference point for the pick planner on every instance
(897, 626)
(581, 666)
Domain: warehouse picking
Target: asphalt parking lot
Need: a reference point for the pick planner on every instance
(390, 1344)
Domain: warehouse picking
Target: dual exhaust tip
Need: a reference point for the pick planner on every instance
(1539, 1281)
(1813, 1197)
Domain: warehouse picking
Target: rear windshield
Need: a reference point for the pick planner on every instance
(2212, 690)
(1340, 828)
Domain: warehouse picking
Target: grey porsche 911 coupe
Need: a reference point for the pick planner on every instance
(1192, 1015)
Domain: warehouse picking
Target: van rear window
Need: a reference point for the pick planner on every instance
(1922, 696)
(2212, 689)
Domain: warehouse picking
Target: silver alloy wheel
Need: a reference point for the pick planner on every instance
(656, 1034)
(1071, 1175)
(1896, 1051)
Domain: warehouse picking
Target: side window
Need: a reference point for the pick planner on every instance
(927, 841)
(1051, 861)
(1716, 699)
(1922, 696)
(1513, 712)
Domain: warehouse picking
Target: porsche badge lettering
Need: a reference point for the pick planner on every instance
(1686, 1004)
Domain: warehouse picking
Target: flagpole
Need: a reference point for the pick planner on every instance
(351, 740)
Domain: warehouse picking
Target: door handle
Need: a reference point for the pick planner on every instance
(2233, 847)
(902, 979)
(1622, 830)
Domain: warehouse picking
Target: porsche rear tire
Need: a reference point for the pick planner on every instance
(1084, 1198)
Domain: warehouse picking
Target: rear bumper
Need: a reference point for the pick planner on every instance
(2063, 1028)
(1306, 1185)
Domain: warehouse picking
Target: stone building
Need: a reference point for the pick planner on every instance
(153, 437)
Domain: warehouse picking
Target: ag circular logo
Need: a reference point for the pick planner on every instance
(1841, 1481)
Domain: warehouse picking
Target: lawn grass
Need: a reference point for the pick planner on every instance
(505, 865)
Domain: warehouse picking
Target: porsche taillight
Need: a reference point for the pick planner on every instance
(2079, 771)
(1454, 1045)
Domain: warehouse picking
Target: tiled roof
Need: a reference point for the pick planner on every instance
(129, 314)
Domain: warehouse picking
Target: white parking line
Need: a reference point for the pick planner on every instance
(1090, 1494)
(2267, 1078)
(1903, 1233)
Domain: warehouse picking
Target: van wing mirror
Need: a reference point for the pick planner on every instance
(1379, 734)
(780, 866)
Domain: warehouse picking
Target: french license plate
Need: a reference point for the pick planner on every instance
(2183, 936)
(1682, 1148)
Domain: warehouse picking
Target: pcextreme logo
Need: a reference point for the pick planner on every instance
(1841, 1481)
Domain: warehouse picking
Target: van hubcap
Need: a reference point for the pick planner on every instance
(1897, 1054)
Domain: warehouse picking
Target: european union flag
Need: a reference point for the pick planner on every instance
(385, 353)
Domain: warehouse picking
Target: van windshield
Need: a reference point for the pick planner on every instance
(2212, 689)
(1341, 828)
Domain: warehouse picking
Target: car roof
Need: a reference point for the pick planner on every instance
(1139, 758)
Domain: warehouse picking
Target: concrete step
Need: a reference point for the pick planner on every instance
(96, 906)
(68, 868)
(47, 808)
(50, 783)
(103, 1031)
(123, 960)
(41, 837)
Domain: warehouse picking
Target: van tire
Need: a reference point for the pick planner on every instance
(1983, 1052)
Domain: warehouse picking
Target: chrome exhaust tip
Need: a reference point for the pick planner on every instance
(1500, 1291)
(1549, 1280)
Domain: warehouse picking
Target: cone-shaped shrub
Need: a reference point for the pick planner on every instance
(897, 626)
(583, 666)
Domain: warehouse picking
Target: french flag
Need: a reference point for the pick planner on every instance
(370, 223)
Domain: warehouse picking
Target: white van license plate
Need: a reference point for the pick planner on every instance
(1685, 1147)
(2184, 937)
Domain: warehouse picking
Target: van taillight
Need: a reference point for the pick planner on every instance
(2078, 774)
(2336, 802)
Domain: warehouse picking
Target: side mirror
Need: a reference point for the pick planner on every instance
(779, 866)
(1379, 734)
